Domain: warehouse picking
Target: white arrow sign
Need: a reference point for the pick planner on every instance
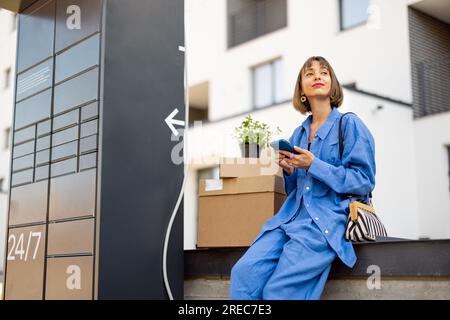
(171, 122)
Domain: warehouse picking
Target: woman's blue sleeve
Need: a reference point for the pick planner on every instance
(290, 182)
(356, 174)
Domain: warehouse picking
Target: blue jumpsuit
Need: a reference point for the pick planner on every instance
(293, 253)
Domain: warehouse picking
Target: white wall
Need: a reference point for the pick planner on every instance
(395, 194)
(190, 216)
(432, 135)
(205, 33)
(375, 55)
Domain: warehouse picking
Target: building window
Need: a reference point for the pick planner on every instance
(430, 63)
(7, 138)
(250, 19)
(198, 102)
(353, 13)
(7, 78)
(268, 84)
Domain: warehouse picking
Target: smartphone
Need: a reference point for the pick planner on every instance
(283, 145)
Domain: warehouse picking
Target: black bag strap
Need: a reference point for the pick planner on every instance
(341, 141)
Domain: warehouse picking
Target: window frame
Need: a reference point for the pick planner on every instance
(231, 30)
(273, 87)
(341, 19)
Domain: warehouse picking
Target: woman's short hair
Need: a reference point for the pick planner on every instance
(336, 94)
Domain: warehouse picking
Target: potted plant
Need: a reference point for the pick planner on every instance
(253, 136)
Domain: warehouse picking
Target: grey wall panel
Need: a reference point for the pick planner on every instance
(23, 149)
(88, 161)
(35, 80)
(65, 136)
(24, 135)
(73, 196)
(133, 128)
(43, 157)
(90, 16)
(76, 91)
(42, 173)
(65, 151)
(23, 163)
(56, 282)
(78, 58)
(44, 128)
(36, 35)
(89, 112)
(89, 128)
(29, 204)
(22, 177)
(88, 144)
(70, 238)
(63, 167)
(43, 143)
(66, 120)
(34, 109)
(24, 279)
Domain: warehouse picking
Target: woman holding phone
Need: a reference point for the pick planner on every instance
(293, 253)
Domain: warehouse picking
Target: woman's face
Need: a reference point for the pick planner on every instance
(316, 81)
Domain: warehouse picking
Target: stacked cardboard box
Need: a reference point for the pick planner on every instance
(248, 167)
(233, 209)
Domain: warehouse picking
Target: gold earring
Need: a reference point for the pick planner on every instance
(303, 99)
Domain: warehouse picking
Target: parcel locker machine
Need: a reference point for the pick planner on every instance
(95, 205)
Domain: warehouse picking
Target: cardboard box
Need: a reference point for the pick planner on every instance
(232, 211)
(248, 167)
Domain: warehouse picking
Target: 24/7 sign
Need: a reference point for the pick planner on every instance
(25, 263)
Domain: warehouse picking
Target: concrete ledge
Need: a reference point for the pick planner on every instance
(407, 270)
(206, 289)
(420, 288)
(394, 258)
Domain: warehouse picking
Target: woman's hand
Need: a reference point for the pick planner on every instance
(302, 160)
(281, 160)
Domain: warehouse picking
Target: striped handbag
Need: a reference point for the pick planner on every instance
(362, 223)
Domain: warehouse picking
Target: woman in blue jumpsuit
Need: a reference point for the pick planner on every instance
(292, 255)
